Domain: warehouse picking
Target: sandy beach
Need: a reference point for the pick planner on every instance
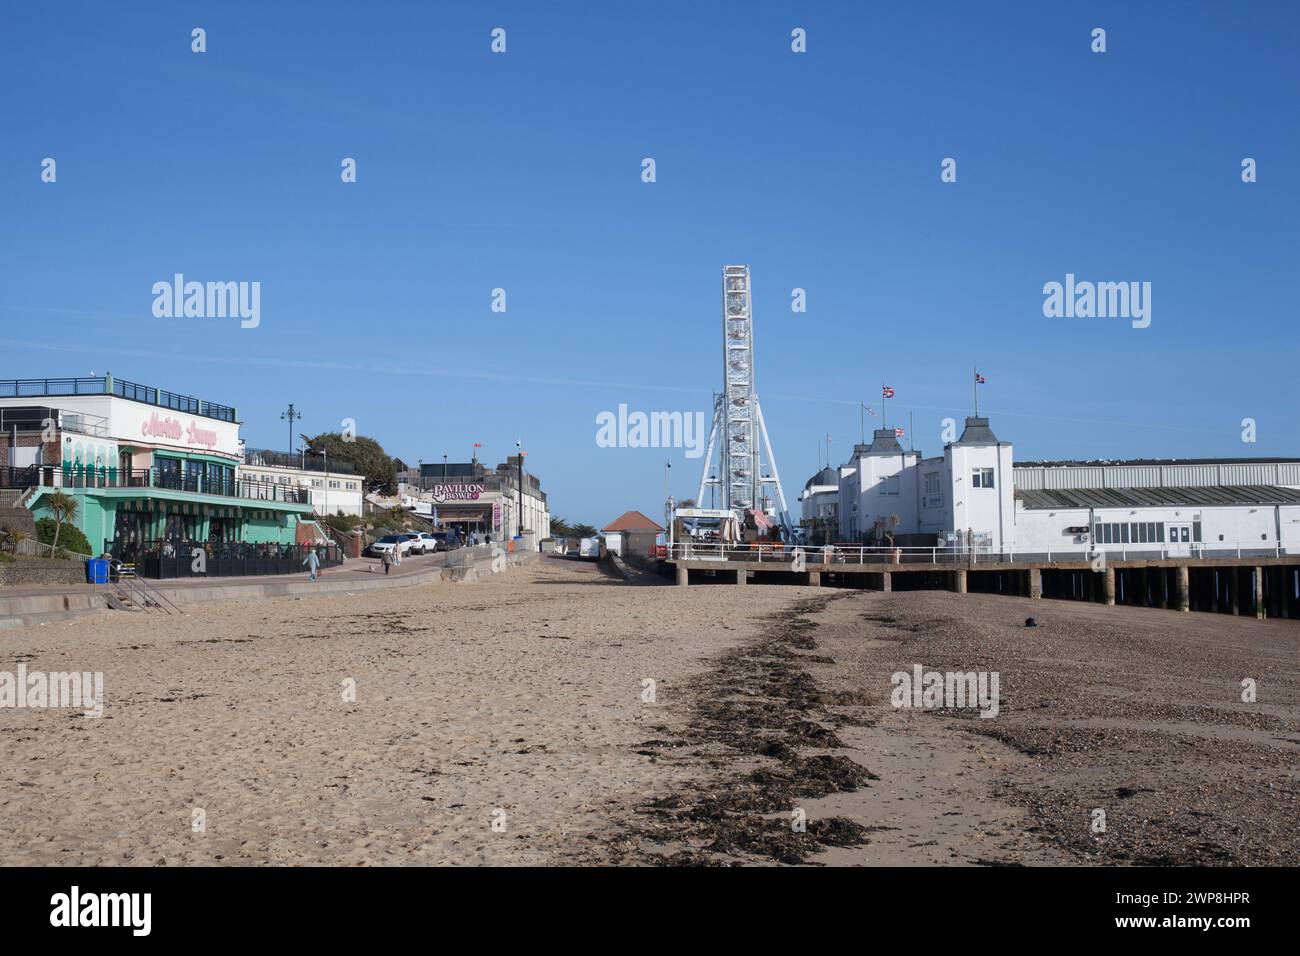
(503, 722)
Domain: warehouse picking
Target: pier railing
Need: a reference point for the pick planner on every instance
(778, 553)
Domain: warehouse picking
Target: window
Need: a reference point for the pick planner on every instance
(932, 483)
(1196, 531)
(1123, 530)
(982, 478)
(889, 486)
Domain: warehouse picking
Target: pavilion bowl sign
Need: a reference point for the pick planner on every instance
(456, 492)
(159, 426)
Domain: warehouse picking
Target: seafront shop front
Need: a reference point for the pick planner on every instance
(146, 467)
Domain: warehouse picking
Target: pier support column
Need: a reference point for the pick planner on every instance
(1184, 597)
(1214, 580)
(886, 581)
(742, 576)
(1234, 590)
(959, 581)
(1036, 583)
(1259, 593)
(1109, 577)
(814, 579)
(683, 575)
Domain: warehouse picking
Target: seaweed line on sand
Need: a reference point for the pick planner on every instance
(752, 715)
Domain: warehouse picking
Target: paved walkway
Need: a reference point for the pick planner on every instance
(354, 569)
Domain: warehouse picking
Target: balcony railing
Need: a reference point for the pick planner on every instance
(34, 418)
(264, 458)
(107, 385)
(201, 484)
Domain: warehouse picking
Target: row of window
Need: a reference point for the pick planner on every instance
(1143, 532)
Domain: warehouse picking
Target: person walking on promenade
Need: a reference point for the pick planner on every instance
(387, 558)
(397, 553)
(312, 561)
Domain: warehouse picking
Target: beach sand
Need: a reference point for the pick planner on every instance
(519, 699)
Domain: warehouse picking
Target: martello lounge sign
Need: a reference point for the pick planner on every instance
(161, 426)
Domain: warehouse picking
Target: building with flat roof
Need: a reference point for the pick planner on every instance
(333, 487)
(468, 496)
(976, 498)
(145, 465)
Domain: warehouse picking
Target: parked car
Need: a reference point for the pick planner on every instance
(388, 542)
(428, 543)
(414, 542)
(447, 540)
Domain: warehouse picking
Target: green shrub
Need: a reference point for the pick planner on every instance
(70, 536)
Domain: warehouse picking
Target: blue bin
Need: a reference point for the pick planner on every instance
(97, 571)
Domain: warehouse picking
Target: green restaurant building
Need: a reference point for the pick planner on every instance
(148, 467)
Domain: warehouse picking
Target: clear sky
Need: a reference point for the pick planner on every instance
(522, 171)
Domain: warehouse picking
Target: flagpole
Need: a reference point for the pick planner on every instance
(911, 442)
(862, 420)
(975, 384)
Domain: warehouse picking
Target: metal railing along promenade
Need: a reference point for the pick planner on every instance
(778, 553)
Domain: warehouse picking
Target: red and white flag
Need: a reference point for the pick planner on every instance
(886, 391)
(898, 433)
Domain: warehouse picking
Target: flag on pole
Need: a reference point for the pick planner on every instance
(899, 433)
(886, 391)
(979, 379)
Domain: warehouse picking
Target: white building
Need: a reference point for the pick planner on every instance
(976, 498)
(331, 488)
(820, 506)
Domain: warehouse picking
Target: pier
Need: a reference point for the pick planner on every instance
(1225, 581)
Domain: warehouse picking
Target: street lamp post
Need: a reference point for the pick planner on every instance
(291, 416)
(668, 508)
(519, 447)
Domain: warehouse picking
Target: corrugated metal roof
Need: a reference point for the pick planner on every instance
(1067, 463)
(1154, 497)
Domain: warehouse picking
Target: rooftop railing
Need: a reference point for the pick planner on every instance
(107, 385)
(265, 458)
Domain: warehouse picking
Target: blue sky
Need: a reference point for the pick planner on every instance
(522, 171)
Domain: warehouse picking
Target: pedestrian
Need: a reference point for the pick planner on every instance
(387, 557)
(312, 561)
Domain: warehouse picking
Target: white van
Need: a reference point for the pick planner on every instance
(589, 548)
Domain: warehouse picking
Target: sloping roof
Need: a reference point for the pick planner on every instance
(827, 476)
(884, 441)
(632, 521)
(977, 432)
(1105, 462)
(1155, 497)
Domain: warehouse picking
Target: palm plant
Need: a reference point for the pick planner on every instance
(64, 508)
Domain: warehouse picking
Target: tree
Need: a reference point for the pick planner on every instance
(366, 455)
(560, 528)
(686, 503)
(582, 531)
(64, 508)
